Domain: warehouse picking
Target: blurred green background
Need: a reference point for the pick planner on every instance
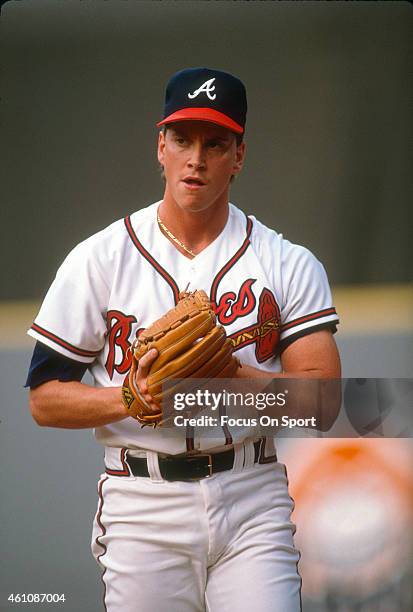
(329, 128)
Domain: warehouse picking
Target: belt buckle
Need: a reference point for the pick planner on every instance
(209, 464)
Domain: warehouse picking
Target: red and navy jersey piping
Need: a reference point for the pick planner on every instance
(167, 277)
(239, 253)
(102, 534)
(327, 312)
(63, 343)
(125, 471)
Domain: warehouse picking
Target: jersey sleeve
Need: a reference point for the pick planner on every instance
(72, 318)
(307, 302)
(47, 364)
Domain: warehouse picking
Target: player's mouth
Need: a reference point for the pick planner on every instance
(193, 182)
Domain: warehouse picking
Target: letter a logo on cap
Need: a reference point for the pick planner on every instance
(221, 99)
(207, 87)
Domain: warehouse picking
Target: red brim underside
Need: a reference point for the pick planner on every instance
(203, 114)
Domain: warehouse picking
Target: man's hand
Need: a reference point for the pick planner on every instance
(141, 378)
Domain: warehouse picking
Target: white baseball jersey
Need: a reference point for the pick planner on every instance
(263, 288)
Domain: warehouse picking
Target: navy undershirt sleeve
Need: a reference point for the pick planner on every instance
(47, 364)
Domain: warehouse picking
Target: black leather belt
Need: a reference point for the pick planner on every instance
(190, 467)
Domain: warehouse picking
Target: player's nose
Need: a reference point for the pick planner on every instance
(197, 155)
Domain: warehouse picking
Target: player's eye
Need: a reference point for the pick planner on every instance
(217, 144)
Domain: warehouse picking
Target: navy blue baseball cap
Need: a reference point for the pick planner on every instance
(203, 94)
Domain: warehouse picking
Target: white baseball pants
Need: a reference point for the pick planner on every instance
(220, 544)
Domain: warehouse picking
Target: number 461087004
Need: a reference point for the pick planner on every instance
(36, 598)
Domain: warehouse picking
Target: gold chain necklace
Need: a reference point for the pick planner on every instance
(174, 238)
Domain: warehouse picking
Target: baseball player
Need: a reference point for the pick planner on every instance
(186, 523)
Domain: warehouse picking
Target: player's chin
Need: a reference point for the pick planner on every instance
(194, 203)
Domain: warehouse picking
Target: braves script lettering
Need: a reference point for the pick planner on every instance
(230, 306)
(119, 328)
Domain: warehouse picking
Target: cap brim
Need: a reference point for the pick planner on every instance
(203, 114)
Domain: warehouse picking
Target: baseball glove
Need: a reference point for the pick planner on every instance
(190, 345)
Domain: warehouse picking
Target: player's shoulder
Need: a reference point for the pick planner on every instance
(263, 239)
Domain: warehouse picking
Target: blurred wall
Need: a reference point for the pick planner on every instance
(329, 129)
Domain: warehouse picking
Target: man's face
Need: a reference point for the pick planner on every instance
(199, 159)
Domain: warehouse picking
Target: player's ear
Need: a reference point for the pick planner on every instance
(239, 157)
(161, 147)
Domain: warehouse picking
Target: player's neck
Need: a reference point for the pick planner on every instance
(195, 229)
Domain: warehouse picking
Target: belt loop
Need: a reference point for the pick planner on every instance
(153, 466)
(249, 452)
(268, 453)
(239, 455)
